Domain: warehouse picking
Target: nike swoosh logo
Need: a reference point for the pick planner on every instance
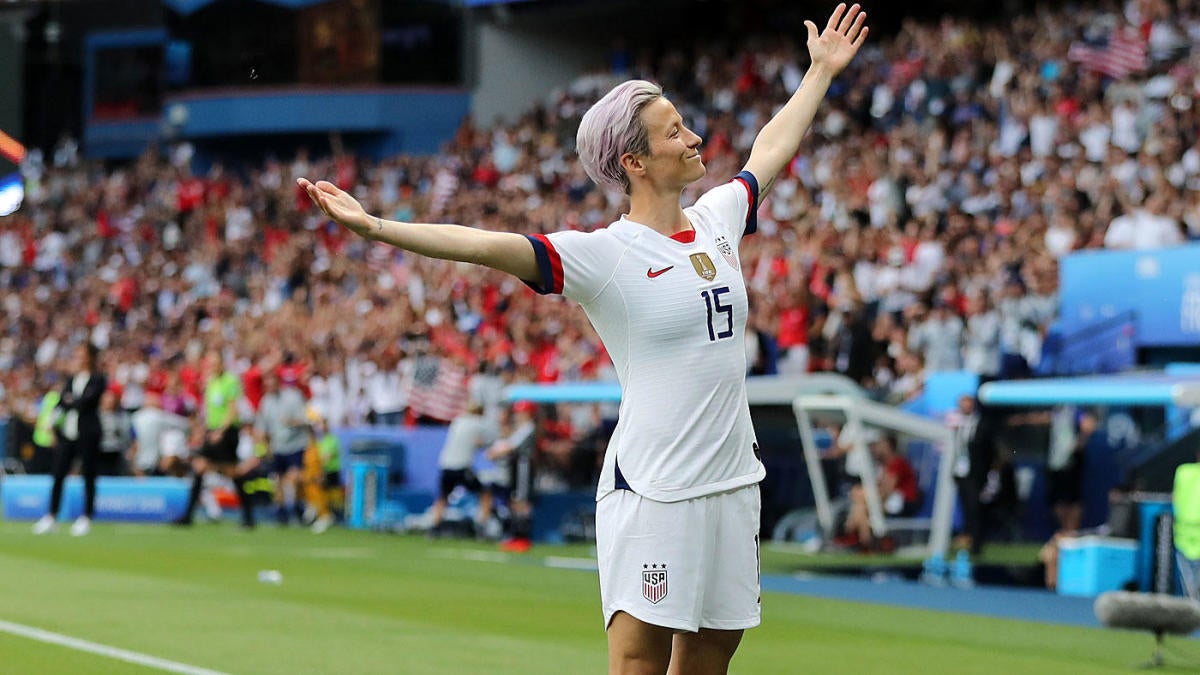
(650, 273)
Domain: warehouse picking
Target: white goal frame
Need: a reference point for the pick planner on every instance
(859, 412)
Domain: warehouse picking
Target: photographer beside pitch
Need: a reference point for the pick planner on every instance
(678, 503)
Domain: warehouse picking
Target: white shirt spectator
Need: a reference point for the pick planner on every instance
(1095, 139)
(10, 249)
(46, 352)
(1002, 74)
(50, 251)
(866, 275)
(329, 398)
(883, 201)
(466, 435)
(1060, 238)
(928, 259)
(1125, 134)
(239, 223)
(1042, 131)
(939, 341)
(1012, 135)
(1142, 230)
(981, 343)
(152, 430)
(385, 391)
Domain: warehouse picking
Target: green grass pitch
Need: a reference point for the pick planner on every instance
(359, 602)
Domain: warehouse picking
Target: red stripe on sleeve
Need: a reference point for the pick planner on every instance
(556, 267)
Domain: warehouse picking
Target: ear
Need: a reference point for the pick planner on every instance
(632, 164)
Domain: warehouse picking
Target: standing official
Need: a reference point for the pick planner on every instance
(78, 436)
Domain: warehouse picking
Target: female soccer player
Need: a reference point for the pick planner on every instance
(677, 514)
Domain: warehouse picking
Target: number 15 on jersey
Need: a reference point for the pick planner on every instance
(717, 308)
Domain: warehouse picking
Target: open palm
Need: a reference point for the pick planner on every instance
(839, 42)
(337, 204)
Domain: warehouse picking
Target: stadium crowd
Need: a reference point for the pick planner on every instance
(958, 163)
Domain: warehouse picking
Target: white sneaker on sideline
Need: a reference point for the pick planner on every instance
(322, 524)
(81, 526)
(45, 524)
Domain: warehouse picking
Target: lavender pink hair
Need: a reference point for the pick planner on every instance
(612, 128)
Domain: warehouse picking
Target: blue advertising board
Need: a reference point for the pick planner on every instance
(144, 500)
(1161, 286)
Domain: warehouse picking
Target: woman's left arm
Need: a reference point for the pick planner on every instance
(831, 52)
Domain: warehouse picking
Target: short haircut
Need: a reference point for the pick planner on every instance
(93, 355)
(613, 127)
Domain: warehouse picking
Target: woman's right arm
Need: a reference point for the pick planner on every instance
(504, 251)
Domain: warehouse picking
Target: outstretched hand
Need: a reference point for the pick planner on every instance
(836, 46)
(338, 205)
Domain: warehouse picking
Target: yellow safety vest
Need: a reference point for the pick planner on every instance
(43, 429)
(1186, 500)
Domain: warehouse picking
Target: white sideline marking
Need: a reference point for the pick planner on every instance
(348, 553)
(586, 564)
(472, 555)
(103, 650)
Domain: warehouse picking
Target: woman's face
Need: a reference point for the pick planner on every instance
(79, 360)
(674, 157)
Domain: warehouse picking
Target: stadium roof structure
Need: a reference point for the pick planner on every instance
(189, 6)
(1131, 389)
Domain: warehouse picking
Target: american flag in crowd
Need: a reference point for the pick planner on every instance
(445, 184)
(438, 389)
(1124, 54)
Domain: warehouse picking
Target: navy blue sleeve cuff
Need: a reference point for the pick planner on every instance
(545, 285)
(752, 211)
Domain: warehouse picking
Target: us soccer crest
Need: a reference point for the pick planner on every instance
(654, 582)
(704, 266)
(726, 250)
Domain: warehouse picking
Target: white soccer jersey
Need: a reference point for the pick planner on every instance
(672, 314)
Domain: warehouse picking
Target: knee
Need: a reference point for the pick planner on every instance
(637, 664)
(636, 648)
(708, 651)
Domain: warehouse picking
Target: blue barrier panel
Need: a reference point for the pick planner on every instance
(942, 391)
(1161, 286)
(412, 452)
(140, 500)
(415, 120)
(556, 513)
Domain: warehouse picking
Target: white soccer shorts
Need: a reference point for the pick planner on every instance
(682, 565)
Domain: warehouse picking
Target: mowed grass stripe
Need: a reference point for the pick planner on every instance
(400, 605)
(324, 616)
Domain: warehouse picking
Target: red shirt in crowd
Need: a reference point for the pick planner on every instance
(252, 386)
(294, 374)
(904, 477)
(273, 237)
(189, 194)
(793, 327)
(189, 378)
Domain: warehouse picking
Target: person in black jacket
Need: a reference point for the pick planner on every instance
(79, 436)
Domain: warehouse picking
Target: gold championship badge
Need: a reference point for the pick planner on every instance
(704, 266)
